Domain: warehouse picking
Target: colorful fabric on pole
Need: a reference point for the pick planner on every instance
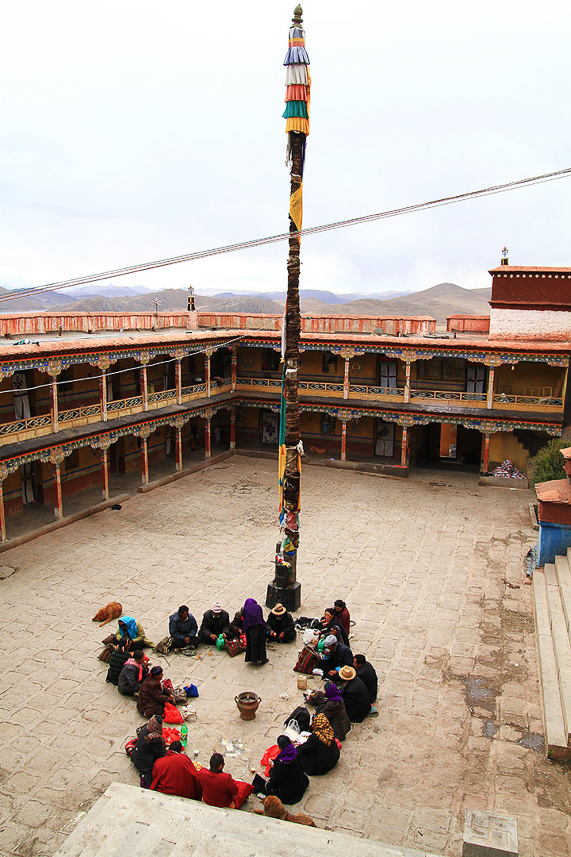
(296, 207)
(298, 81)
(282, 446)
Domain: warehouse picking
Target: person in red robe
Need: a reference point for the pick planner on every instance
(220, 789)
(175, 774)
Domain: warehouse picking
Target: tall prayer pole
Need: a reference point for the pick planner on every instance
(285, 587)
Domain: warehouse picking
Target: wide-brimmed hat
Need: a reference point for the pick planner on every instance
(279, 610)
(347, 673)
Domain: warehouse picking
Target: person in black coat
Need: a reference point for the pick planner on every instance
(150, 746)
(355, 695)
(183, 628)
(320, 753)
(118, 658)
(281, 627)
(133, 674)
(366, 672)
(215, 621)
(339, 655)
(287, 779)
(330, 625)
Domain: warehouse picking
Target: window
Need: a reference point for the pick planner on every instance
(329, 363)
(442, 369)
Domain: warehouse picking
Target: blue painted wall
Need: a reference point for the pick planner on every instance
(554, 539)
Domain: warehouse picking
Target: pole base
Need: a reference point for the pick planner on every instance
(289, 596)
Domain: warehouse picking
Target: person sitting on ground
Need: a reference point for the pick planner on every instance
(355, 695)
(133, 633)
(175, 774)
(133, 674)
(236, 625)
(281, 627)
(320, 753)
(342, 616)
(254, 628)
(287, 779)
(215, 621)
(366, 672)
(150, 746)
(336, 655)
(330, 625)
(330, 703)
(152, 698)
(220, 789)
(117, 661)
(183, 629)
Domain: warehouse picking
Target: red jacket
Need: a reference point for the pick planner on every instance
(218, 789)
(175, 774)
(344, 619)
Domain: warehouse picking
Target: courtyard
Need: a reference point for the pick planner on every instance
(432, 572)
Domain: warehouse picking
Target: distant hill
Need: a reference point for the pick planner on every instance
(47, 301)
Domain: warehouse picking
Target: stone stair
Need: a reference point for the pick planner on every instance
(128, 821)
(552, 604)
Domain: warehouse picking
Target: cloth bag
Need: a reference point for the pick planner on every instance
(307, 661)
(164, 646)
(172, 714)
(300, 716)
(234, 647)
(105, 655)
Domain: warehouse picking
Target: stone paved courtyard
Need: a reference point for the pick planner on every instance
(431, 569)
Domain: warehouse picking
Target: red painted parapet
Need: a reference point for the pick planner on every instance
(473, 323)
(31, 323)
(393, 325)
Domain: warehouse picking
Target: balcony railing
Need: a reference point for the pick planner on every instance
(29, 424)
(365, 391)
(81, 413)
(548, 403)
(470, 399)
(125, 404)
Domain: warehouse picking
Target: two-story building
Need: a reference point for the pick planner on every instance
(87, 396)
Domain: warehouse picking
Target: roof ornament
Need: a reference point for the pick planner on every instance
(505, 260)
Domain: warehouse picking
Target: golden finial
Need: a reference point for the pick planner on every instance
(297, 13)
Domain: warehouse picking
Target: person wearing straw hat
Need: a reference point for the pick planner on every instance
(281, 628)
(355, 695)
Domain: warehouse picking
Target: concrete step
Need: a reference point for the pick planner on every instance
(555, 735)
(561, 643)
(127, 821)
(563, 567)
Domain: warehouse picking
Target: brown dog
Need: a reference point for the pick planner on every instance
(111, 611)
(274, 808)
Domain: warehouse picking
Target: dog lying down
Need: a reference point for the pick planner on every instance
(274, 808)
(111, 611)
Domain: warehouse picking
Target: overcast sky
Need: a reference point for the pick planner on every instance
(134, 131)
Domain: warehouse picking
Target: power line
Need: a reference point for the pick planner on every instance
(284, 236)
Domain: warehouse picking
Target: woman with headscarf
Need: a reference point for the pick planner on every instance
(320, 753)
(150, 746)
(152, 697)
(330, 625)
(254, 627)
(342, 616)
(132, 634)
(333, 708)
(287, 779)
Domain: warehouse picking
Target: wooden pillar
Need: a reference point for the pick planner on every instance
(233, 365)
(486, 452)
(178, 378)
(404, 449)
(346, 378)
(54, 404)
(344, 439)
(407, 382)
(144, 461)
(58, 502)
(103, 394)
(490, 401)
(207, 373)
(2, 513)
(232, 430)
(207, 446)
(105, 474)
(144, 388)
(178, 447)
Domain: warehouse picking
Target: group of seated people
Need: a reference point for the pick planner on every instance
(348, 696)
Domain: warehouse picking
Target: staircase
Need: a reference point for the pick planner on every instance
(552, 604)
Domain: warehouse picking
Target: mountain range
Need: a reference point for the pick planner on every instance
(438, 301)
